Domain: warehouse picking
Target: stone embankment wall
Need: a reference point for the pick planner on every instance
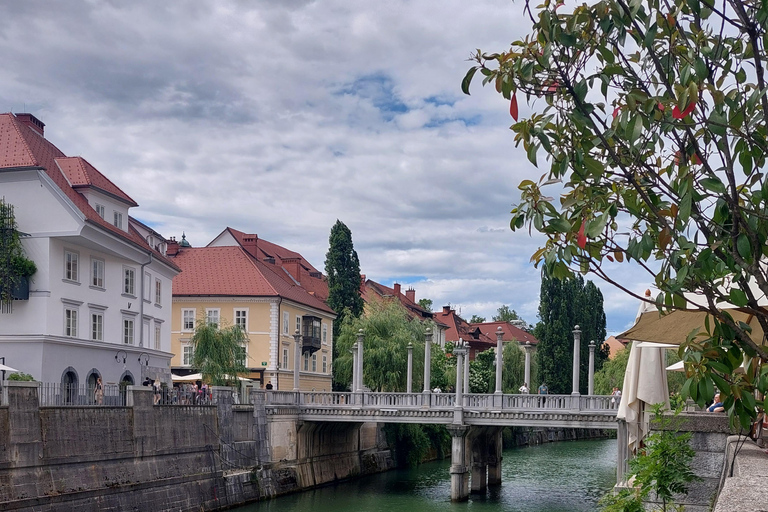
(145, 457)
(744, 475)
(527, 436)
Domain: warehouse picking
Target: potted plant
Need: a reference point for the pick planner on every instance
(15, 267)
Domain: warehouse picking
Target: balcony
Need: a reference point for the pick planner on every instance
(311, 327)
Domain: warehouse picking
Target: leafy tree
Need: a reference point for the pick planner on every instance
(652, 119)
(477, 319)
(504, 314)
(592, 325)
(388, 330)
(513, 371)
(482, 372)
(611, 375)
(343, 270)
(426, 304)
(218, 353)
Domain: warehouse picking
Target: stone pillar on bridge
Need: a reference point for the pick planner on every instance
(353, 351)
(360, 384)
(499, 359)
(409, 384)
(494, 456)
(296, 359)
(591, 375)
(427, 364)
(459, 473)
(458, 411)
(466, 368)
(576, 359)
(528, 348)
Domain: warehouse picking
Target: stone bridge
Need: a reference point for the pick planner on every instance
(474, 421)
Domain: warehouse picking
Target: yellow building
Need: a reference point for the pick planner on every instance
(270, 292)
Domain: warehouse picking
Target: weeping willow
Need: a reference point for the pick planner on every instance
(218, 353)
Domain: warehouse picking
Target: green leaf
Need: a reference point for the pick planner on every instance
(468, 79)
(738, 297)
(742, 246)
(532, 154)
(713, 184)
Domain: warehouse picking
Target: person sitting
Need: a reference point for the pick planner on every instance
(717, 405)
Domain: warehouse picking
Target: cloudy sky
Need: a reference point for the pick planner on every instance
(279, 117)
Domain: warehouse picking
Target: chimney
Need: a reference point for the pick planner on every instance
(173, 247)
(410, 293)
(293, 268)
(250, 243)
(446, 310)
(31, 121)
(397, 289)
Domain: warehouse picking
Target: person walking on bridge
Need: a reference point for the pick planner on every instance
(524, 389)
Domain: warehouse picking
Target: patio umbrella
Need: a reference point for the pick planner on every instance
(186, 378)
(5, 368)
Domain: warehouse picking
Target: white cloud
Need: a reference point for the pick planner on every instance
(280, 117)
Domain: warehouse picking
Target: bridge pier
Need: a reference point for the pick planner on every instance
(459, 472)
(494, 457)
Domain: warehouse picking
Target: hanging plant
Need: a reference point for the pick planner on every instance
(15, 267)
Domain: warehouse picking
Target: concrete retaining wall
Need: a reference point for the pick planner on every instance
(145, 457)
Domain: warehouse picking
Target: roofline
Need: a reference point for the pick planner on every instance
(147, 250)
(132, 203)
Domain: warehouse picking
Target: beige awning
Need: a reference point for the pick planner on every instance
(674, 327)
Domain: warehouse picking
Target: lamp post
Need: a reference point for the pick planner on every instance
(499, 356)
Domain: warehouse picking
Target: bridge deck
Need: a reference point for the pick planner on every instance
(441, 408)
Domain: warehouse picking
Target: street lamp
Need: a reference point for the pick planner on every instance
(120, 357)
(145, 357)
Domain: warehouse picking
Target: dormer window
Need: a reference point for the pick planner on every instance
(100, 210)
(118, 220)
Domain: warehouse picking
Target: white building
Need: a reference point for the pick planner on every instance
(100, 302)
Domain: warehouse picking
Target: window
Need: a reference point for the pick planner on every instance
(97, 273)
(70, 322)
(118, 220)
(128, 331)
(187, 319)
(100, 210)
(306, 361)
(212, 316)
(241, 319)
(325, 363)
(129, 281)
(286, 320)
(158, 331)
(314, 362)
(298, 324)
(325, 335)
(186, 355)
(243, 356)
(97, 326)
(147, 284)
(285, 358)
(71, 265)
(158, 292)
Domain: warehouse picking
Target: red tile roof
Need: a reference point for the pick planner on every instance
(371, 290)
(267, 249)
(232, 271)
(460, 328)
(510, 332)
(80, 173)
(21, 146)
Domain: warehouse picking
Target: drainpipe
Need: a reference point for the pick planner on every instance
(141, 302)
(279, 343)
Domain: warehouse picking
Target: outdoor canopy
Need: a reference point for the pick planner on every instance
(674, 327)
(7, 368)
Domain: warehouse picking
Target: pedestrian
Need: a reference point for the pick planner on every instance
(543, 389)
(269, 386)
(156, 389)
(147, 382)
(524, 389)
(437, 390)
(98, 392)
(615, 395)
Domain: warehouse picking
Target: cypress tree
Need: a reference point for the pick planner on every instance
(343, 270)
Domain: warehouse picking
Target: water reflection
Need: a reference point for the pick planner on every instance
(557, 477)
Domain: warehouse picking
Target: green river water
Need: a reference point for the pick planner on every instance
(557, 477)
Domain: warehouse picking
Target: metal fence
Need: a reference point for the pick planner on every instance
(56, 394)
(184, 395)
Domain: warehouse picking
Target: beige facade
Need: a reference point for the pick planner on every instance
(270, 323)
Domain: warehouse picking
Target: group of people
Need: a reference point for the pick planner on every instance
(543, 389)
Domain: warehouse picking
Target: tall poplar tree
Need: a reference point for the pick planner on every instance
(343, 270)
(563, 305)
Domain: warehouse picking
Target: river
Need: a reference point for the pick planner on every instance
(568, 476)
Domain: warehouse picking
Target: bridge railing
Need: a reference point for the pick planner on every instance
(442, 401)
